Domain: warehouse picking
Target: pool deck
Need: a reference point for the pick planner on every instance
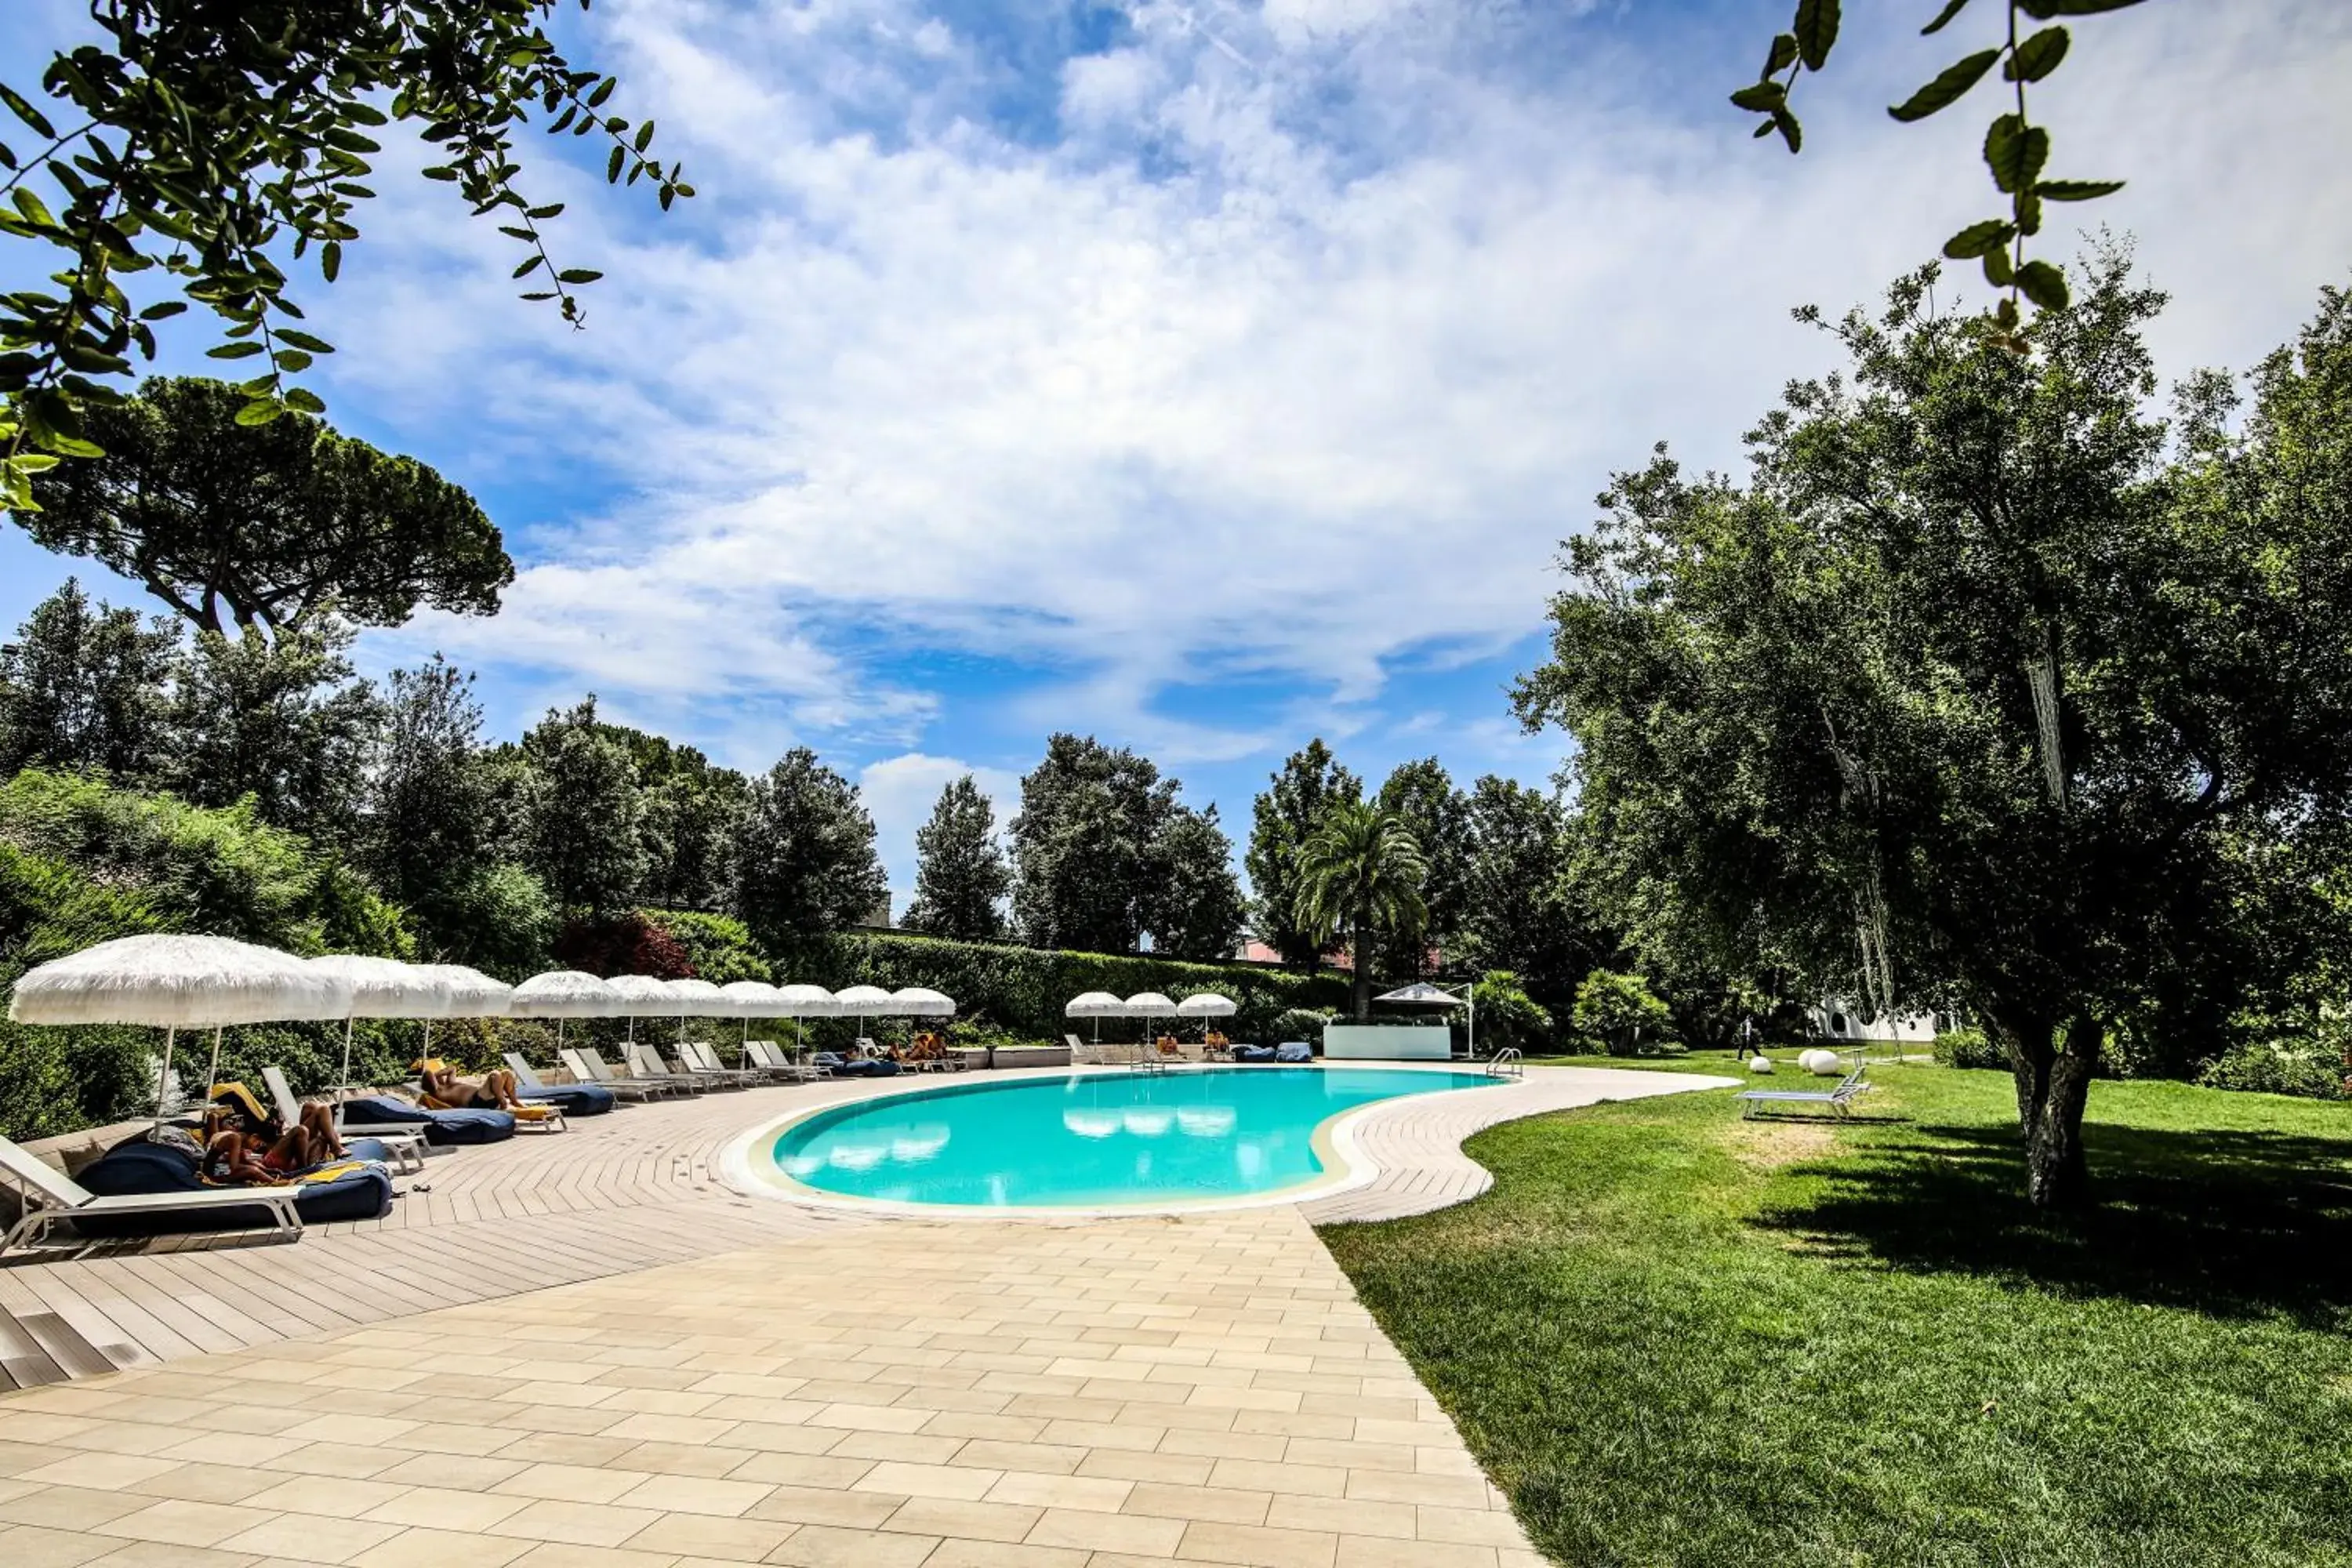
(586, 1349)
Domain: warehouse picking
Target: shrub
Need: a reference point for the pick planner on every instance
(2297, 1065)
(719, 947)
(623, 944)
(1508, 1016)
(1621, 1012)
(1969, 1048)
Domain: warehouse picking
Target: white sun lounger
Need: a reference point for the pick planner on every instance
(771, 1055)
(404, 1140)
(645, 1064)
(51, 1196)
(1838, 1100)
(698, 1056)
(589, 1067)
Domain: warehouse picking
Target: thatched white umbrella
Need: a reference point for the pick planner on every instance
(863, 1002)
(803, 1002)
(639, 997)
(173, 982)
(692, 997)
(381, 988)
(1203, 1005)
(561, 994)
(1097, 1005)
(472, 995)
(749, 999)
(922, 1001)
(1148, 1004)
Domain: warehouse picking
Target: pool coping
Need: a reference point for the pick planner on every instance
(1348, 1166)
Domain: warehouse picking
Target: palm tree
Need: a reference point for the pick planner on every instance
(1361, 870)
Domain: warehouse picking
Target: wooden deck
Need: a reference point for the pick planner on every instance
(615, 1194)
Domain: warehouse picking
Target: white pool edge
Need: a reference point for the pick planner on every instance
(745, 1171)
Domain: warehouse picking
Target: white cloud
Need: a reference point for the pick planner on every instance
(899, 793)
(1300, 390)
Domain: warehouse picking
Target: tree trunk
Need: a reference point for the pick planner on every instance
(1363, 976)
(2054, 1087)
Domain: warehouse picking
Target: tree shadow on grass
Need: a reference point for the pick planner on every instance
(2231, 1223)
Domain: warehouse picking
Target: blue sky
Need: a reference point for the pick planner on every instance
(1201, 376)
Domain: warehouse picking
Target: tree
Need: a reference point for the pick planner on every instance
(1520, 908)
(287, 722)
(1282, 819)
(427, 838)
(1968, 692)
(1085, 844)
(209, 144)
(1422, 795)
(1617, 1010)
(2016, 150)
(584, 813)
(805, 860)
(1360, 875)
(264, 526)
(83, 688)
(961, 874)
(1195, 907)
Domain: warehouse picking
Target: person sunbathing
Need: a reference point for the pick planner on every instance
(244, 1143)
(441, 1089)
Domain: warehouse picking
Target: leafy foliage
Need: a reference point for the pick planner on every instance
(265, 526)
(583, 811)
(284, 722)
(717, 947)
(1508, 1016)
(1282, 819)
(1361, 874)
(84, 688)
(630, 942)
(1422, 795)
(961, 876)
(1621, 1012)
(1087, 856)
(1194, 907)
(210, 153)
(805, 859)
(2016, 151)
(1969, 679)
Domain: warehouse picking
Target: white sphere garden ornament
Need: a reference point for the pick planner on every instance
(1760, 1064)
(1820, 1063)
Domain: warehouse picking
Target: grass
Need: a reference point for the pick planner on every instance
(1673, 1337)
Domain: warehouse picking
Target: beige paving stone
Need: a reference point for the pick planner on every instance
(157, 1554)
(309, 1537)
(30, 1546)
(1134, 1535)
(928, 1480)
(711, 1536)
(574, 1523)
(822, 1505)
(958, 1519)
(1060, 1492)
(441, 1549)
(110, 1472)
(1007, 1554)
(571, 1483)
(823, 1546)
(567, 1554)
(191, 1523)
(446, 1508)
(1392, 1521)
(1257, 1546)
(333, 1496)
(1369, 1551)
(694, 1494)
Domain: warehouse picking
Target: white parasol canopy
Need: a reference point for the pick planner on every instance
(1095, 1004)
(472, 993)
(1148, 1004)
(921, 1002)
(381, 988)
(176, 982)
(700, 999)
(1206, 1005)
(639, 997)
(808, 1002)
(865, 1001)
(752, 999)
(563, 994)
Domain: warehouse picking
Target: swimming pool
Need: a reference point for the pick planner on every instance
(1092, 1139)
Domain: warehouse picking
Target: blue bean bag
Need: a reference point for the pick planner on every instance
(140, 1166)
(571, 1099)
(441, 1128)
(1294, 1051)
(1253, 1053)
(833, 1065)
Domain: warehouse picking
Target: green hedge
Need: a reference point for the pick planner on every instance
(1023, 990)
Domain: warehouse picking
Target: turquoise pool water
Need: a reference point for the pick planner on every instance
(1091, 1140)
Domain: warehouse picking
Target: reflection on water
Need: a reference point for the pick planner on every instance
(1096, 1139)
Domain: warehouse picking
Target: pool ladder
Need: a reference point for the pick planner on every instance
(1505, 1063)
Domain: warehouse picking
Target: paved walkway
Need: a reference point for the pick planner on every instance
(585, 1349)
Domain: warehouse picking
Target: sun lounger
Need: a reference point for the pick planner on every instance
(589, 1067)
(571, 1099)
(645, 1066)
(770, 1058)
(406, 1145)
(51, 1196)
(1838, 1101)
(698, 1056)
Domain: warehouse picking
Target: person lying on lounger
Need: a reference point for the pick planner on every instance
(442, 1090)
(245, 1144)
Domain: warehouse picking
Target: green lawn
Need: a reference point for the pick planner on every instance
(1677, 1338)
